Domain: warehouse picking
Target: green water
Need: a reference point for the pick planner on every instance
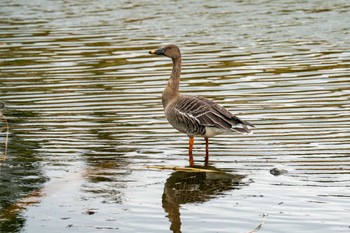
(83, 102)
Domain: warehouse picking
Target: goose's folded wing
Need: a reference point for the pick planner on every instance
(210, 114)
(225, 113)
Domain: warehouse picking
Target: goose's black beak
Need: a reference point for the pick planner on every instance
(157, 51)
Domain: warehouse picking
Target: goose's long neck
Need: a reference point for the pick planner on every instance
(172, 88)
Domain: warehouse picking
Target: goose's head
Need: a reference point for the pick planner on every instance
(169, 50)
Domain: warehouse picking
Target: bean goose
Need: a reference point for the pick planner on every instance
(195, 115)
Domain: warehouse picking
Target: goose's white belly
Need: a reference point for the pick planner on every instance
(212, 131)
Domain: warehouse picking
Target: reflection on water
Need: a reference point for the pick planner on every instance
(189, 187)
(21, 177)
(105, 176)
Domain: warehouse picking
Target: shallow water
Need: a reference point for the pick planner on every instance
(83, 103)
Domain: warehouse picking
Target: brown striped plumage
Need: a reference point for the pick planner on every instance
(195, 115)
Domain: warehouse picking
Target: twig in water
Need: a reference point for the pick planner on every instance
(185, 169)
(260, 225)
(6, 137)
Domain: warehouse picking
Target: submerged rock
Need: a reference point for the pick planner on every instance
(277, 172)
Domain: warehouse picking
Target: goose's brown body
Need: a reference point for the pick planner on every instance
(195, 115)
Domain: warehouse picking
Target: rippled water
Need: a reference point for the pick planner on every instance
(83, 104)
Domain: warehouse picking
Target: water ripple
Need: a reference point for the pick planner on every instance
(83, 100)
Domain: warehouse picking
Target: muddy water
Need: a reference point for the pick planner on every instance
(83, 104)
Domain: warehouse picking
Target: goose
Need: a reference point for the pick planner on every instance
(195, 115)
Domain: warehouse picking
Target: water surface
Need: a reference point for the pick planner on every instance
(82, 99)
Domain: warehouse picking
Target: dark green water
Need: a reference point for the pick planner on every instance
(83, 104)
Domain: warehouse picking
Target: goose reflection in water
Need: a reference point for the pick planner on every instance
(195, 187)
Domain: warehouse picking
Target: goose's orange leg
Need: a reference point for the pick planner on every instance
(191, 142)
(206, 160)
